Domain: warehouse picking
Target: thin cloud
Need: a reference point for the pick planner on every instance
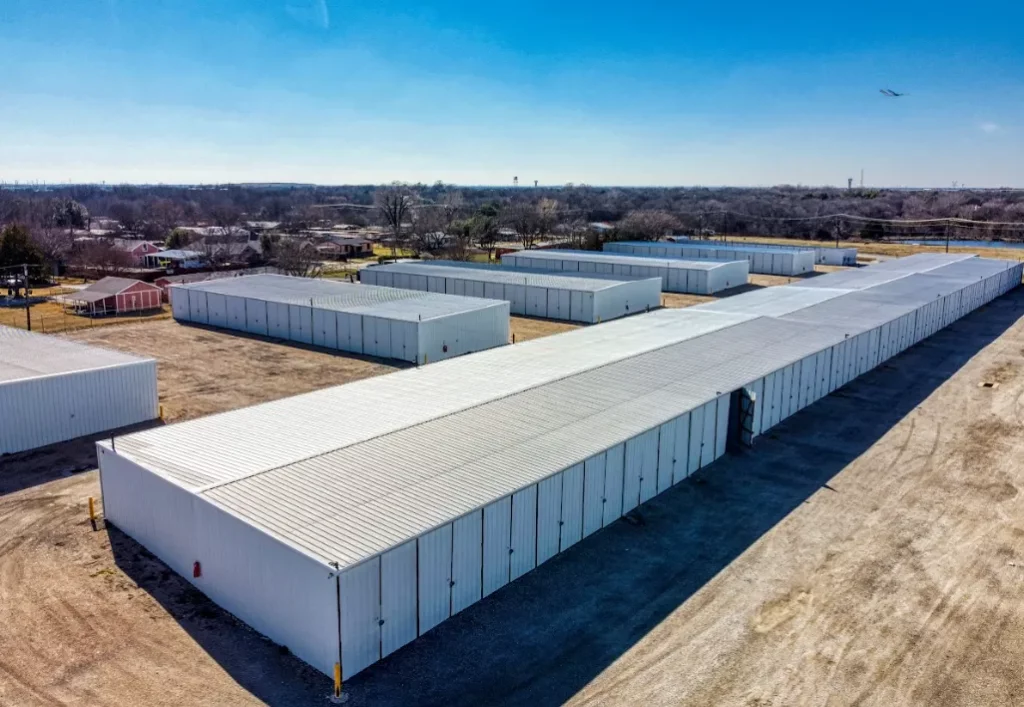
(989, 128)
(312, 12)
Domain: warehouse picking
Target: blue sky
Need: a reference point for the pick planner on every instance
(639, 93)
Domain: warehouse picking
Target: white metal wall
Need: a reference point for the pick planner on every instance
(676, 279)
(416, 342)
(277, 590)
(768, 261)
(47, 409)
(620, 299)
(385, 603)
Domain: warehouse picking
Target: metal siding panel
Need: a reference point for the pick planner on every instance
(467, 560)
(768, 407)
(524, 532)
(549, 517)
(666, 454)
(359, 589)
(497, 543)
(681, 449)
(593, 493)
(632, 471)
(707, 443)
(613, 472)
(696, 438)
(722, 426)
(757, 389)
(397, 597)
(572, 506)
(256, 316)
(806, 380)
(649, 473)
(217, 310)
(435, 577)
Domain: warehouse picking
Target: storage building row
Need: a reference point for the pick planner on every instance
(344, 539)
(760, 259)
(823, 255)
(375, 321)
(536, 293)
(699, 277)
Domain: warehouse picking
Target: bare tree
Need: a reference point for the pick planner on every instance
(297, 257)
(54, 243)
(394, 204)
(646, 225)
(101, 258)
(427, 230)
(522, 217)
(575, 230)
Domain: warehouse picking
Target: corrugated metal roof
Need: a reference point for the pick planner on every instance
(712, 245)
(25, 354)
(241, 442)
(348, 472)
(343, 296)
(350, 504)
(623, 259)
(510, 275)
(773, 301)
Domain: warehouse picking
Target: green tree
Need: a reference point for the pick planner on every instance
(69, 214)
(178, 239)
(17, 248)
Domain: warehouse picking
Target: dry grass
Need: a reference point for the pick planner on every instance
(50, 317)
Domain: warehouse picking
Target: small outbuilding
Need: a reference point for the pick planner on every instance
(115, 295)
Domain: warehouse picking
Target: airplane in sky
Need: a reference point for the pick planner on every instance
(889, 93)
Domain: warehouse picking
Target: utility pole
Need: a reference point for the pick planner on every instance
(28, 303)
(947, 235)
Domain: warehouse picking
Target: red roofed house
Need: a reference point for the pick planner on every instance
(116, 295)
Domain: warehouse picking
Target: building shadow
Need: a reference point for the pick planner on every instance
(541, 639)
(33, 467)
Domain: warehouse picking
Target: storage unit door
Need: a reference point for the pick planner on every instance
(436, 284)
(883, 342)
(552, 304)
(180, 309)
(824, 368)
(497, 543)
(494, 290)
(476, 289)
(549, 517)
(807, 373)
(300, 323)
(523, 557)
(325, 328)
(593, 494)
(572, 506)
(397, 597)
(537, 301)
(681, 449)
(613, 475)
(576, 306)
(256, 317)
(696, 438)
(277, 320)
(435, 577)
(197, 306)
(403, 340)
(722, 426)
(216, 309)
(787, 392)
(756, 393)
(359, 596)
(467, 560)
(768, 403)
(649, 470)
(666, 454)
(516, 295)
(236, 313)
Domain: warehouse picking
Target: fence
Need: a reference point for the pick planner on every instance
(50, 321)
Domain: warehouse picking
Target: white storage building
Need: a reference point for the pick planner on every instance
(761, 259)
(823, 255)
(377, 321)
(52, 390)
(345, 537)
(536, 293)
(698, 277)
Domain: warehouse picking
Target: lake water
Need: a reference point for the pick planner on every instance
(970, 244)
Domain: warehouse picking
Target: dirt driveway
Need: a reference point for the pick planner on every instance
(870, 550)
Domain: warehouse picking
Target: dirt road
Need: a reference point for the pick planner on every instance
(869, 551)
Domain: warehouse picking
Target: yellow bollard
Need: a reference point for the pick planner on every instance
(337, 680)
(161, 412)
(92, 512)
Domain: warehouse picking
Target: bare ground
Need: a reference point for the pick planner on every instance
(870, 550)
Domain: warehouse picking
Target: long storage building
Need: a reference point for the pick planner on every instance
(698, 277)
(53, 389)
(823, 255)
(344, 537)
(411, 326)
(587, 298)
(764, 260)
